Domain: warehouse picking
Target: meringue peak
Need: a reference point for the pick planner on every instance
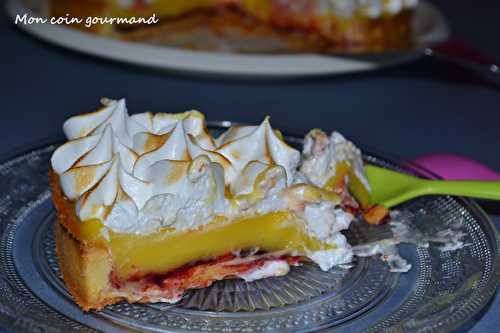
(258, 143)
(144, 171)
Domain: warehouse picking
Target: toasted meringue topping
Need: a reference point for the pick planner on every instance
(258, 177)
(242, 145)
(116, 165)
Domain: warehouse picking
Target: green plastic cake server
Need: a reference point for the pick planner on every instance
(390, 188)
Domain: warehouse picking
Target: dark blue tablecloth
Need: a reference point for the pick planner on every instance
(413, 109)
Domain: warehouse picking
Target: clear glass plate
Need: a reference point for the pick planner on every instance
(443, 290)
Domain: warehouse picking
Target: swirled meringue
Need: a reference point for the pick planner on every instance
(142, 172)
(241, 145)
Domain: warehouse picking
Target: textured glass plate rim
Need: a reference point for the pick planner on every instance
(473, 312)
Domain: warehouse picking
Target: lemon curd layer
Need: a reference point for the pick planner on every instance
(168, 249)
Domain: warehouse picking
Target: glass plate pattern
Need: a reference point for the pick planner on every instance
(442, 291)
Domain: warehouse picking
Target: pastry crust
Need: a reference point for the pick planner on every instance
(85, 270)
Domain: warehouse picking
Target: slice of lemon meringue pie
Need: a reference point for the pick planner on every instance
(150, 205)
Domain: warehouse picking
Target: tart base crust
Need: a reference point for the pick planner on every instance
(85, 270)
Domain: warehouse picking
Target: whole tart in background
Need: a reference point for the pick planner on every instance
(273, 26)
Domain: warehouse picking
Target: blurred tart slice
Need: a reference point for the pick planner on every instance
(345, 26)
(151, 205)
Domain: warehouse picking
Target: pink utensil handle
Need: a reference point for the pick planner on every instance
(456, 167)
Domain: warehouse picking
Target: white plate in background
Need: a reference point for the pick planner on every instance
(430, 28)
